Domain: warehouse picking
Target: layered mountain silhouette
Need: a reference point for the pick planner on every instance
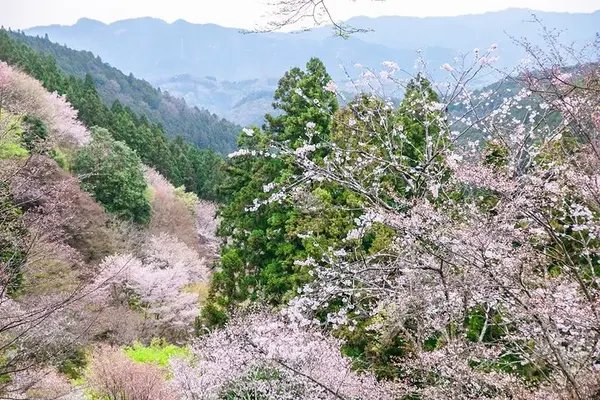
(223, 69)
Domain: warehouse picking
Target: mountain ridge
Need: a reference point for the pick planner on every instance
(163, 53)
(357, 17)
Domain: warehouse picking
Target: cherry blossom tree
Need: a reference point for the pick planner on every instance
(43, 214)
(42, 383)
(23, 95)
(158, 282)
(114, 376)
(260, 355)
(484, 208)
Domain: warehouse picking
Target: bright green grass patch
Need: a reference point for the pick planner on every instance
(158, 352)
(11, 150)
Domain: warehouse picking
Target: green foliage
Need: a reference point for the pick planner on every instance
(61, 158)
(35, 131)
(258, 264)
(158, 352)
(113, 174)
(212, 314)
(495, 154)
(11, 150)
(74, 364)
(190, 199)
(11, 137)
(13, 246)
(297, 110)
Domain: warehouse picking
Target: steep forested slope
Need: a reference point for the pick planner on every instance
(84, 227)
(177, 118)
(180, 162)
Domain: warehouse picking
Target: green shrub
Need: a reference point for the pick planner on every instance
(60, 158)
(190, 199)
(74, 364)
(11, 150)
(34, 132)
(13, 248)
(113, 174)
(11, 137)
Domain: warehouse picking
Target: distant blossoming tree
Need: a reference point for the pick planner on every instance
(158, 282)
(113, 375)
(23, 95)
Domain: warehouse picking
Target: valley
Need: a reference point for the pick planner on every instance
(407, 212)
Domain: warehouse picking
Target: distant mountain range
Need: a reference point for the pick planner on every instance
(234, 74)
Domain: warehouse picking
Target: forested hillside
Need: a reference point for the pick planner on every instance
(197, 126)
(178, 160)
(441, 242)
(244, 102)
(97, 249)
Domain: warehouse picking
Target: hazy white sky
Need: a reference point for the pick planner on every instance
(19, 14)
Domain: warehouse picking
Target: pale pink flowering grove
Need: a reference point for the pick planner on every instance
(21, 94)
(261, 355)
(159, 280)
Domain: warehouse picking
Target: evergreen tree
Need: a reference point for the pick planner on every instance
(113, 174)
(258, 262)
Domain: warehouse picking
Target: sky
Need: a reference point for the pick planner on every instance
(248, 14)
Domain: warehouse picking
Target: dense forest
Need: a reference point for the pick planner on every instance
(444, 245)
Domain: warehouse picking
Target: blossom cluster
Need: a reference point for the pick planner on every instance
(262, 355)
(21, 94)
(490, 207)
(159, 280)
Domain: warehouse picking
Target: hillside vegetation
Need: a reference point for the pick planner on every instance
(96, 247)
(442, 244)
(178, 160)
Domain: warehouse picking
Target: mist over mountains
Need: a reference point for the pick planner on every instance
(234, 74)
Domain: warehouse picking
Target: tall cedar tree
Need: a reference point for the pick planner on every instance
(258, 262)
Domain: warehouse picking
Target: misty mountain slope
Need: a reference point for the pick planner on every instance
(234, 74)
(154, 49)
(467, 32)
(202, 127)
(244, 102)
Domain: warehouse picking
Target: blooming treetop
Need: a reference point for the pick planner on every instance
(506, 235)
(261, 355)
